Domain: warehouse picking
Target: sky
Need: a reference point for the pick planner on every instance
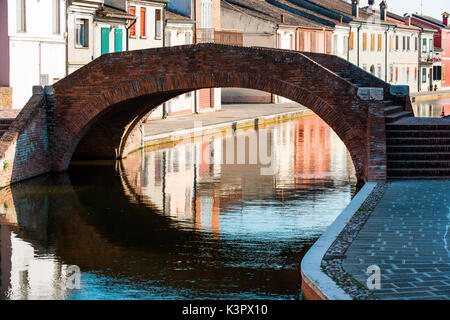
(433, 8)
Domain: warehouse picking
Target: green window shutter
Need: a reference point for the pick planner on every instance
(118, 40)
(105, 40)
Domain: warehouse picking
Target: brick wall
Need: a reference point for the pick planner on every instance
(95, 112)
(24, 147)
(128, 83)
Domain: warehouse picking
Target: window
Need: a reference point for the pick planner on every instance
(158, 23)
(335, 44)
(416, 44)
(364, 41)
(437, 73)
(424, 45)
(379, 71)
(443, 73)
(44, 80)
(168, 38)
(345, 44)
(404, 43)
(206, 14)
(397, 47)
(143, 22)
(56, 16)
(352, 38)
(133, 28)
(187, 38)
(372, 69)
(424, 75)
(380, 42)
(372, 42)
(391, 43)
(396, 73)
(292, 41)
(105, 40)
(407, 74)
(415, 74)
(118, 40)
(21, 16)
(431, 45)
(81, 33)
(408, 43)
(391, 73)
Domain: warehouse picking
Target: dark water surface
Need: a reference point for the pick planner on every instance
(175, 222)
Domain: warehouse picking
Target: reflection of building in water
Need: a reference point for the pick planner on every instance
(28, 270)
(192, 181)
(432, 109)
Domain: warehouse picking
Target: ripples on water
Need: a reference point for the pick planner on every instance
(176, 223)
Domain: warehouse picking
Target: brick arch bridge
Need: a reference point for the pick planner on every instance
(95, 112)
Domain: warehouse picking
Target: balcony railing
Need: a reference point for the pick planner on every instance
(224, 37)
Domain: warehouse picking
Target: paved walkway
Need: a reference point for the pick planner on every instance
(228, 114)
(408, 237)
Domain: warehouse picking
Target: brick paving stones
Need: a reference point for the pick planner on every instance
(407, 235)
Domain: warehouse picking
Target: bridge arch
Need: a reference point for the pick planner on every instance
(96, 109)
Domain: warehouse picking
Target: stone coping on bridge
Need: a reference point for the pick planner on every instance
(317, 285)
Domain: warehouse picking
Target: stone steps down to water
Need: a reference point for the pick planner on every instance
(418, 148)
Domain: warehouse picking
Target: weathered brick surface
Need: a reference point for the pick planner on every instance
(101, 100)
(94, 112)
(24, 147)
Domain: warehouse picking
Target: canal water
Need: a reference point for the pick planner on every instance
(178, 221)
(432, 109)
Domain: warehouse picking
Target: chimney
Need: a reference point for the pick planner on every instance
(408, 20)
(341, 19)
(383, 10)
(445, 18)
(282, 18)
(355, 8)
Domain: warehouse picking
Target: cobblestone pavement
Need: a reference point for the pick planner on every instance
(408, 237)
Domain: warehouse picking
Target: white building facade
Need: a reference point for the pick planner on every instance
(32, 46)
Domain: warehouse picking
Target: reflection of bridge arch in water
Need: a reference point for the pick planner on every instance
(94, 234)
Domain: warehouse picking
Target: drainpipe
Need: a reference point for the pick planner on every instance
(195, 42)
(128, 28)
(348, 43)
(419, 71)
(386, 55)
(195, 20)
(165, 113)
(359, 27)
(67, 36)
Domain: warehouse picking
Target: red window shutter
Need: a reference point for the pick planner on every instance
(396, 73)
(142, 21)
(133, 28)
